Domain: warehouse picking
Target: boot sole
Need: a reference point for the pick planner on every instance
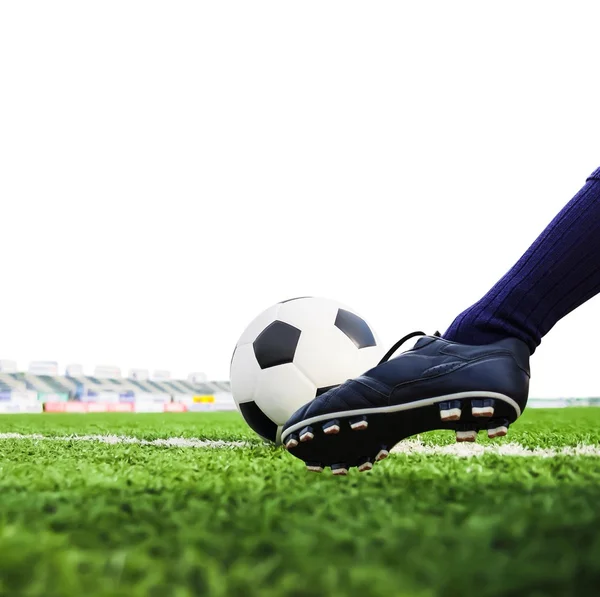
(361, 437)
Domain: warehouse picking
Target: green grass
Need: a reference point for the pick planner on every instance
(83, 518)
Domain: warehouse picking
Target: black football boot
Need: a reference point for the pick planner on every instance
(437, 384)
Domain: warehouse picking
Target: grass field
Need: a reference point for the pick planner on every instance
(97, 516)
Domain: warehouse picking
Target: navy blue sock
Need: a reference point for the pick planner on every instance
(559, 272)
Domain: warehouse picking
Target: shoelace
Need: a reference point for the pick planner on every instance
(400, 342)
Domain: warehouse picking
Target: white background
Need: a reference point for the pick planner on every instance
(170, 169)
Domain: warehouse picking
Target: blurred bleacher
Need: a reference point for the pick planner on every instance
(42, 388)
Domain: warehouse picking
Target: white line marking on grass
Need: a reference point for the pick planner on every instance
(408, 447)
(170, 442)
(463, 450)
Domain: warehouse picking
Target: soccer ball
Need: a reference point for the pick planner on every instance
(293, 352)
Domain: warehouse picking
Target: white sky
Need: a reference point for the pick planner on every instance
(170, 169)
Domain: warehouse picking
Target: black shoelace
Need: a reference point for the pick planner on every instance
(400, 342)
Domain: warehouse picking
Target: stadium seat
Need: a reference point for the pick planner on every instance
(7, 366)
(161, 375)
(74, 371)
(139, 374)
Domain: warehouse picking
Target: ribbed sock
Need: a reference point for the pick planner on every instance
(559, 272)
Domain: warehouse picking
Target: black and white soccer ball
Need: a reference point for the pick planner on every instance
(293, 352)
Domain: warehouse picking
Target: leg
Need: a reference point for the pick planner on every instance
(559, 272)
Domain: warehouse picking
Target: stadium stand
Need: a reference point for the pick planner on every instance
(41, 387)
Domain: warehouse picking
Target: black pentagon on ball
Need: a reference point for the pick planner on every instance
(276, 344)
(355, 328)
(258, 421)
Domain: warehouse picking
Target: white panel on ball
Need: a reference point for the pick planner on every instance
(327, 358)
(286, 379)
(244, 373)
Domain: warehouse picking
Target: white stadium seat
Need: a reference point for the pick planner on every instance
(107, 372)
(43, 368)
(139, 374)
(197, 378)
(74, 371)
(8, 366)
(161, 375)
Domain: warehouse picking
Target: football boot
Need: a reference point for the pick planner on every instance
(437, 384)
